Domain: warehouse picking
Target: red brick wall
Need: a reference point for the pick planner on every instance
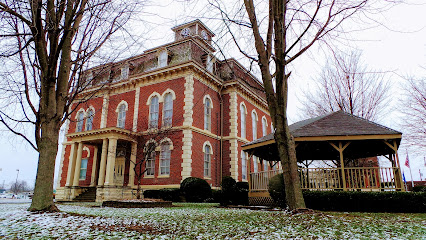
(65, 165)
(114, 101)
(178, 86)
(200, 91)
(198, 141)
(175, 161)
(96, 103)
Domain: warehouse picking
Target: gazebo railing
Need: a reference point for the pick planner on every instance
(357, 178)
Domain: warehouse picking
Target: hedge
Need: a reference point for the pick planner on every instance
(357, 201)
(167, 194)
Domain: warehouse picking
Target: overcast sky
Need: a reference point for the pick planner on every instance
(398, 47)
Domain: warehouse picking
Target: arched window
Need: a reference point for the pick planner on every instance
(255, 164)
(168, 110)
(243, 120)
(207, 159)
(80, 121)
(165, 159)
(264, 126)
(243, 165)
(89, 119)
(150, 159)
(207, 114)
(254, 124)
(121, 117)
(153, 112)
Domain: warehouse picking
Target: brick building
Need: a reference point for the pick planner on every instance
(196, 110)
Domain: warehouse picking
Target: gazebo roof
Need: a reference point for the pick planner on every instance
(312, 136)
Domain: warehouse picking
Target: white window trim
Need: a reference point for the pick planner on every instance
(207, 143)
(205, 98)
(150, 141)
(81, 167)
(148, 102)
(164, 109)
(264, 126)
(124, 72)
(117, 110)
(163, 62)
(81, 110)
(87, 117)
(244, 166)
(245, 120)
(160, 157)
(254, 122)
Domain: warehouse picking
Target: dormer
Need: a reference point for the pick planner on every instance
(195, 29)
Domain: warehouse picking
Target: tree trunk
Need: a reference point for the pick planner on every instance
(287, 154)
(48, 148)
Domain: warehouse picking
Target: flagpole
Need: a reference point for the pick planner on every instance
(407, 164)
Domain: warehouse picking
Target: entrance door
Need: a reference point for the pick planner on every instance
(119, 171)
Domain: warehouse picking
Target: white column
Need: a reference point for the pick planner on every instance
(78, 165)
(102, 166)
(132, 164)
(71, 165)
(112, 149)
(94, 166)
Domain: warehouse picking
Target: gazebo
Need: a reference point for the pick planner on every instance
(351, 142)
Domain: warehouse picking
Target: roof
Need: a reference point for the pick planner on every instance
(336, 126)
(338, 123)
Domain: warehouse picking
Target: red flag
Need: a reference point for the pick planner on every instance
(407, 162)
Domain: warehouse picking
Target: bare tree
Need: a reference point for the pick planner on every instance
(151, 143)
(19, 186)
(283, 31)
(346, 84)
(413, 108)
(44, 47)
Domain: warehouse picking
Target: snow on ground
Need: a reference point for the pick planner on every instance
(202, 221)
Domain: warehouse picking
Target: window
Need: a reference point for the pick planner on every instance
(243, 120)
(254, 124)
(162, 59)
(168, 110)
(255, 162)
(125, 72)
(209, 64)
(80, 119)
(264, 126)
(89, 120)
(265, 165)
(83, 169)
(150, 162)
(207, 160)
(243, 165)
(153, 112)
(165, 159)
(207, 114)
(121, 118)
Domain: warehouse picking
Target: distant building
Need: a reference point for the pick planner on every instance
(211, 108)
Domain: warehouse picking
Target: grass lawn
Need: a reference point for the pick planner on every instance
(202, 221)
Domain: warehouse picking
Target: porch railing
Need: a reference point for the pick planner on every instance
(357, 178)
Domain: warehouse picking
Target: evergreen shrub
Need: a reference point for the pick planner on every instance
(195, 189)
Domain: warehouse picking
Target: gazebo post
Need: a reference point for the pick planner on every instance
(341, 148)
(399, 183)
